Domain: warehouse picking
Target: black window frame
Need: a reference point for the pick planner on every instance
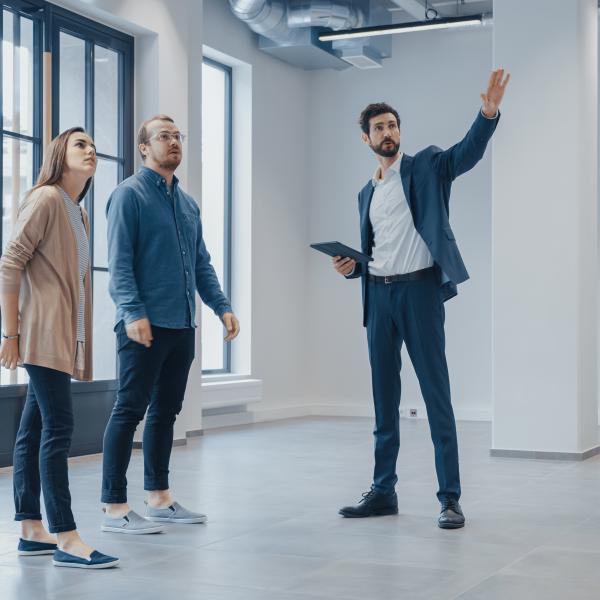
(228, 201)
(93, 34)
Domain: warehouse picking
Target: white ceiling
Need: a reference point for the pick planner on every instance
(445, 8)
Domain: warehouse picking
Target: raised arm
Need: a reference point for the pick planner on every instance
(468, 152)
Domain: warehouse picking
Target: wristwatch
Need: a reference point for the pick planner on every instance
(9, 337)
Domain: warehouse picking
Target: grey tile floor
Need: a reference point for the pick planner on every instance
(272, 491)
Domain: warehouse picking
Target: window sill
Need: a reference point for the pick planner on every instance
(223, 390)
(15, 390)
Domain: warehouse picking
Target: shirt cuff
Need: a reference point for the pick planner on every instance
(130, 317)
(490, 118)
(223, 309)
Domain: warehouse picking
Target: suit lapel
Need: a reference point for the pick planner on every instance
(406, 168)
(365, 224)
(365, 201)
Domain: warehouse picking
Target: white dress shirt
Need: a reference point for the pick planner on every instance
(398, 247)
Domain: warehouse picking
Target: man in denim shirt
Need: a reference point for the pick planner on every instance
(157, 260)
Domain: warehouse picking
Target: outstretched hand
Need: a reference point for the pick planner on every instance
(495, 92)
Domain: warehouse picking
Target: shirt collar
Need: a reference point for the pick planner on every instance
(155, 177)
(393, 168)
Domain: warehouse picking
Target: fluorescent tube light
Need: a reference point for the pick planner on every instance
(348, 34)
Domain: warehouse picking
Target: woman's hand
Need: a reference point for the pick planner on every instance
(9, 353)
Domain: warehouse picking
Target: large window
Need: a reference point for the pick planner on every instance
(216, 202)
(91, 86)
(91, 66)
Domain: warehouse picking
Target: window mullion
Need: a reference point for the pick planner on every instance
(15, 146)
(20, 136)
(15, 120)
(121, 144)
(1, 128)
(228, 197)
(89, 125)
(37, 95)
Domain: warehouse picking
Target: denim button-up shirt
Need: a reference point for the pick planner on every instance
(156, 255)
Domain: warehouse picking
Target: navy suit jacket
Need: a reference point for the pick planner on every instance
(427, 179)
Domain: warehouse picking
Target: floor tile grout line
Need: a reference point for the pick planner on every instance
(497, 572)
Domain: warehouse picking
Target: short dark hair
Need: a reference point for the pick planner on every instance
(373, 110)
(142, 137)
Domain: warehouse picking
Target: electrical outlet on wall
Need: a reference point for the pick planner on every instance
(412, 413)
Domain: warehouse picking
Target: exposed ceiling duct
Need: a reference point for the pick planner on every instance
(265, 17)
(334, 34)
(289, 29)
(325, 13)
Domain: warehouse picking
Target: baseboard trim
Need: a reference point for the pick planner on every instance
(194, 433)
(542, 455)
(336, 409)
(137, 445)
(262, 414)
(265, 414)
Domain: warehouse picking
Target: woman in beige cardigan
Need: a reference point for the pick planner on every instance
(45, 298)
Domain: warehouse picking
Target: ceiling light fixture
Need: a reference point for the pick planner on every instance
(348, 34)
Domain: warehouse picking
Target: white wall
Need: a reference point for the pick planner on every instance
(545, 171)
(279, 198)
(434, 80)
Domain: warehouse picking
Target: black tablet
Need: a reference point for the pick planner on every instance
(339, 249)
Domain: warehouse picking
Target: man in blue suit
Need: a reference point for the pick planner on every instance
(416, 267)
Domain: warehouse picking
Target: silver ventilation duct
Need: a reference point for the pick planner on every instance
(265, 17)
(288, 29)
(325, 13)
(274, 18)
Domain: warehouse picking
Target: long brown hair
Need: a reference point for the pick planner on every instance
(53, 166)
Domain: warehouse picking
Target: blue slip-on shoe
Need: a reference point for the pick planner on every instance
(31, 548)
(173, 514)
(97, 560)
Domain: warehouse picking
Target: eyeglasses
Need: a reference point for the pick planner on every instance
(165, 137)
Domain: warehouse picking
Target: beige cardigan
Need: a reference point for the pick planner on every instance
(41, 263)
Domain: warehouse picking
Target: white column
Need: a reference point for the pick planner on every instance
(544, 230)
(190, 418)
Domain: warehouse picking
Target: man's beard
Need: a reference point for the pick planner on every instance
(170, 162)
(387, 153)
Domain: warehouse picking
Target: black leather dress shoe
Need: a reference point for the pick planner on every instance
(373, 504)
(451, 516)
